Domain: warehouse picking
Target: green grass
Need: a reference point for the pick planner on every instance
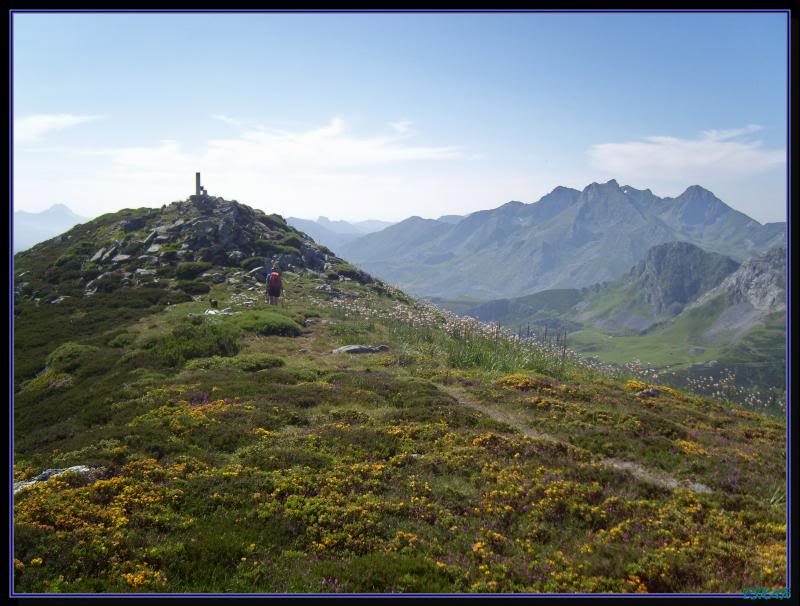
(266, 323)
(241, 455)
(251, 362)
(194, 339)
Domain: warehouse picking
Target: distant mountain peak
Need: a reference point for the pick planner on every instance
(61, 207)
(699, 193)
(611, 184)
(630, 188)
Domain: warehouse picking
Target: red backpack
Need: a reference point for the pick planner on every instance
(274, 280)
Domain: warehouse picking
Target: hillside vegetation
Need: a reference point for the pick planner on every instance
(234, 452)
(693, 317)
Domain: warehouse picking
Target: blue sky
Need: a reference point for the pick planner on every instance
(359, 116)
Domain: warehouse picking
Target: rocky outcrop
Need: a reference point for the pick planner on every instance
(361, 349)
(210, 229)
(759, 283)
(90, 473)
(675, 273)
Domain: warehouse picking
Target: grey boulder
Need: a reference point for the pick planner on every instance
(361, 349)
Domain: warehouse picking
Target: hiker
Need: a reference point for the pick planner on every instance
(274, 285)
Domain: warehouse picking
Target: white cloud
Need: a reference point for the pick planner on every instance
(323, 169)
(715, 153)
(330, 146)
(31, 129)
(722, 135)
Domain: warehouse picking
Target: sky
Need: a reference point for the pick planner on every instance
(386, 116)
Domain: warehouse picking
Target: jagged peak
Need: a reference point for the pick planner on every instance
(561, 188)
(630, 188)
(610, 184)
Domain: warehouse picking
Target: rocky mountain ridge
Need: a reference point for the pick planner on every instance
(568, 239)
(203, 237)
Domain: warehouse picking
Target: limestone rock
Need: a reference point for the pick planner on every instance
(82, 470)
(361, 349)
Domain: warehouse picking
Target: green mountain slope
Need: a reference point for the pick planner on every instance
(682, 310)
(234, 452)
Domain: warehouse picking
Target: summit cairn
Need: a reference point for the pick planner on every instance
(199, 191)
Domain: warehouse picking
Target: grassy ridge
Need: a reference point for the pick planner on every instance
(261, 462)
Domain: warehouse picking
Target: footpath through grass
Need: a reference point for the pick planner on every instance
(239, 459)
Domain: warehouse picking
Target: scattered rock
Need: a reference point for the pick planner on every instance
(649, 393)
(361, 349)
(329, 290)
(218, 312)
(133, 224)
(107, 255)
(83, 470)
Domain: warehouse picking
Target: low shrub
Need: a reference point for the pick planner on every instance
(267, 323)
(250, 362)
(349, 271)
(69, 356)
(192, 269)
(194, 287)
(252, 262)
(275, 221)
(292, 241)
(188, 340)
(268, 248)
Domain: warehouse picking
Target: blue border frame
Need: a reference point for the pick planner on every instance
(787, 12)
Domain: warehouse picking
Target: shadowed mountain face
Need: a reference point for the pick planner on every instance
(32, 228)
(568, 239)
(675, 273)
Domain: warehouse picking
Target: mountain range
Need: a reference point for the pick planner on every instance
(568, 239)
(32, 228)
(334, 234)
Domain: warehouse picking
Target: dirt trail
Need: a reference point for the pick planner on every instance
(651, 476)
